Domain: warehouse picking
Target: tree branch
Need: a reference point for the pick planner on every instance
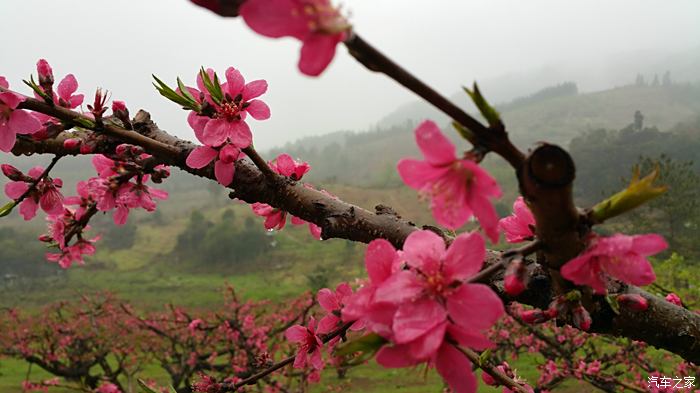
(663, 325)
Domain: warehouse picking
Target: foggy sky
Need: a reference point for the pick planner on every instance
(118, 44)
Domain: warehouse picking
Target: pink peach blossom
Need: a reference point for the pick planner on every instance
(457, 188)
(316, 23)
(45, 194)
(224, 159)
(674, 299)
(14, 121)
(228, 122)
(309, 344)
(333, 303)
(417, 308)
(620, 256)
(519, 226)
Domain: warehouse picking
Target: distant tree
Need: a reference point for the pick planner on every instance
(120, 237)
(189, 241)
(638, 120)
(666, 79)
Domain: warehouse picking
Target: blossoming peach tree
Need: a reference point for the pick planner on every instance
(431, 295)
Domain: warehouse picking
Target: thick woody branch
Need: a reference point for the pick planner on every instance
(663, 325)
(546, 182)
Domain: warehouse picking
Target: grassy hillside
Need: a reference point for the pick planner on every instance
(369, 158)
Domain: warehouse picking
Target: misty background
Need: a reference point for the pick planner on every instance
(513, 48)
(617, 83)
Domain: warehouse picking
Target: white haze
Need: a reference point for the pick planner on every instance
(118, 44)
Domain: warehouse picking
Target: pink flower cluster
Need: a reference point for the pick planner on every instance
(420, 301)
(59, 227)
(39, 191)
(276, 218)
(221, 125)
(121, 184)
(457, 188)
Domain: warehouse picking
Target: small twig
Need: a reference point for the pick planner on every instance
(492, 139)
(497, 374)
(260, 162)
(485, 274)
(41, 177)
(255, 377)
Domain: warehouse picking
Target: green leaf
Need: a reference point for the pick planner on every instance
(489, 113)
(637, 193)
(83, 122)
(613, 304)
(367, 344)
(7, 209)
(573, 295)
(214, 88)
(172, 95)
(37, 89)
(465, 133)
(145, 387)
(184, 90)
(484, 357)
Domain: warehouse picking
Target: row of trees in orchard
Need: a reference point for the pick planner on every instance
(433, 296)
(102, 344)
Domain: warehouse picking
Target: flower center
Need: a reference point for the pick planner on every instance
(230, 111)
(322, 17)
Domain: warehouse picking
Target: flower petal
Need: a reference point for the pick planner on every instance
(240, 135)
(254, 89)
(398, 288)
(296, 333)
(201, 157)
(22, 122)
(317, 52)
(417, 174)
(224, 172)
(7, 138)
(396, 356)
(455, 369)
(469, 338)
(649, 244)
(258, 109)
(327, 299)
(415, 319)
(67, 87)
(465, 256)
(274, 18)
(474, 307)
(380, 260)
(437, 149)
(425, 346)
(15, 189)
(424, 250)
(28, 208)
(584, 270)
(632, 269)
(215, 132)
(234, 82)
